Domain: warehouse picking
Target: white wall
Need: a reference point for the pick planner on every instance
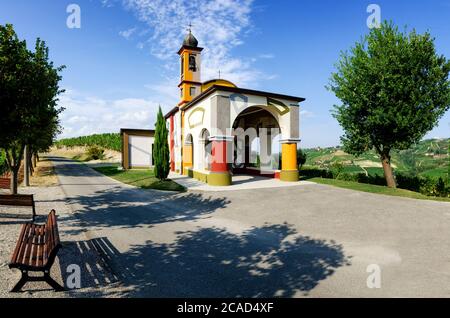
(140, 151)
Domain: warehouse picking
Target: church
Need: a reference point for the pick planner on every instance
(218, 130)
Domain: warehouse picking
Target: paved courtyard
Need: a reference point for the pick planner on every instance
(295, 241)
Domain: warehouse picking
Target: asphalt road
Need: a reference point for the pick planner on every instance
(311, 240)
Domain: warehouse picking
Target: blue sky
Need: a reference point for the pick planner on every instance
(122, 62)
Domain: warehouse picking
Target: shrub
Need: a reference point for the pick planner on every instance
(3, 165)
(337, 169)
(422, 184)
(95, 153)
(316, 173)
(345, 176)
(301, 158)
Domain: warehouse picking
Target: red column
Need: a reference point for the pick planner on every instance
(219, 156)
(219, 175)
(172, 145)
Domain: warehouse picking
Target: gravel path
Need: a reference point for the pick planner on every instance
(100, 282)
(11, 219)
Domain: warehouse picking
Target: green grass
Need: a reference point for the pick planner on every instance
(375, 189)
(436, 173)
(142, 178)
(352, 169)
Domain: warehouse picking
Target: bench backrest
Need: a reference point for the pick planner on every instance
(5, 183)
(17, 199)
(52, 242)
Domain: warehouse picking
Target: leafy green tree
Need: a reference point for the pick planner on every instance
(393, 88)
(28, 99)
(161, 153)
(301, 158)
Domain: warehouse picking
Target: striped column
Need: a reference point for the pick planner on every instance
(172, 144)
(219, 175)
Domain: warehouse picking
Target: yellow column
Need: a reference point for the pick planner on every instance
(289, 167)
(187, 158)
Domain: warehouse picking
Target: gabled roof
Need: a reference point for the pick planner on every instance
(237, 90)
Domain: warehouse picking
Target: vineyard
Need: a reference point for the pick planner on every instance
(110, 141)
(426, 158)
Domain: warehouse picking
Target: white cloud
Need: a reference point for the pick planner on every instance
(127, 33)
(219, 25)
(85, 115)
(266, 56)
(306, 114)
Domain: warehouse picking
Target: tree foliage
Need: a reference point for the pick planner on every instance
(161, 152)
(394, 88)
(29, 86)
(301, 157)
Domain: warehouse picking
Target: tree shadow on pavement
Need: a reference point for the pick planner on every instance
(131, 208)
(267, 261)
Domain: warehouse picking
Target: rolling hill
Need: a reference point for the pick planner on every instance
(428, 158)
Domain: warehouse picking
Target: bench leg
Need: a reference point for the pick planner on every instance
(21, 282)
(34, 215)
(54, 284)
(46, 278)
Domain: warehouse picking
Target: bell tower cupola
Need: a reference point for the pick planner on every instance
(190, 61)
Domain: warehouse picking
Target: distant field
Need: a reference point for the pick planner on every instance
(110, 141)
(427, 158)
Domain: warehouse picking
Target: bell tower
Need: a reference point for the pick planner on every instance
(190, 61)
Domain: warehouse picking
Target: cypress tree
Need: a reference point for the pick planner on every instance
(161, 148)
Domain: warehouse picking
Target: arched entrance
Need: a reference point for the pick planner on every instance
(204, 150)
(256, 147)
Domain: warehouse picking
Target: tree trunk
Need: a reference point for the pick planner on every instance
(14, 180)
(35, 159)
(14, 158)
(26, 167)
(388, 174)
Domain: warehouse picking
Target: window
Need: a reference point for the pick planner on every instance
(192, 91)
(181, 92)
(182, 65)
(192, 63)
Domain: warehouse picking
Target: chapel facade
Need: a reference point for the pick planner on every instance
(218, 130)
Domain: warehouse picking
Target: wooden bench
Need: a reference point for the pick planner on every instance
(36, 251)
(5, 183)
(19, 200)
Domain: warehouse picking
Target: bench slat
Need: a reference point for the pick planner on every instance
(23, 243)
(28, 247)
(5, 183)
(37, 246)
(15, 255)
(17, 199)
(41, 242)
